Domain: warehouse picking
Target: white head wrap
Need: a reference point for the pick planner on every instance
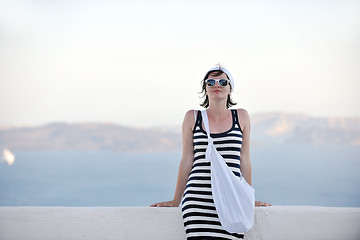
(217, 68)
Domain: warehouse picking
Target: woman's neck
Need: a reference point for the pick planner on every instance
(218, 110)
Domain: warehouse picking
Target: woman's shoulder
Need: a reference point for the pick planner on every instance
(191, 113)
(242, 111)
(243, 115)
(190, 118)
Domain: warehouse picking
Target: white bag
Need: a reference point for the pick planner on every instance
(234, 198)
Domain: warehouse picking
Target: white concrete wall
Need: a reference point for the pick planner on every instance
(145, 223)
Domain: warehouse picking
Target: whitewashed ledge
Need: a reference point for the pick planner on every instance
(145, 223)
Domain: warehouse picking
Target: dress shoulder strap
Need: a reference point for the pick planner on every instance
(197, 118)
(236, 118)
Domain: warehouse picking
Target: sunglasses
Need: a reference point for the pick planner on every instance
(212, 82)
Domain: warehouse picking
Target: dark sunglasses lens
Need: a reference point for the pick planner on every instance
(223, 82)
(210, 82)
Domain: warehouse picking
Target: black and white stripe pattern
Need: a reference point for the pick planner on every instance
(200, 218)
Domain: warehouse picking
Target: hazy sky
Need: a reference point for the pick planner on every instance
(140, 63)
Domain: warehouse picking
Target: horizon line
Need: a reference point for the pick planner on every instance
(19, 125)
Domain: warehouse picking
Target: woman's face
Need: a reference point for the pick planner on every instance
(218, 91)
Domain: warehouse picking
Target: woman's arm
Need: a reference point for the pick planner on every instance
(185, 163)
(245, 162)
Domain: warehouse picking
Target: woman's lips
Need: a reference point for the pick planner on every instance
(216, 91)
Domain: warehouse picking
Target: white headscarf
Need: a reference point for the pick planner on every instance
(217, 68)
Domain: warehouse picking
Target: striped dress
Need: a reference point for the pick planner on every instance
(198, 210)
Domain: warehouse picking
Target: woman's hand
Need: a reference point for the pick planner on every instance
(165, 204)
(262, 204)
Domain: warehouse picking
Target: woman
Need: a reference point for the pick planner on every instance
(230, 130)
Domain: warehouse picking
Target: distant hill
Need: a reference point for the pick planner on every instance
(89, 136)
(266, 129)
(283, 128)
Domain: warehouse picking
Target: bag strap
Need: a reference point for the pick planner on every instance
(206, 122)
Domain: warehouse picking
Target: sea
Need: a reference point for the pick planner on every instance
(315, 175)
